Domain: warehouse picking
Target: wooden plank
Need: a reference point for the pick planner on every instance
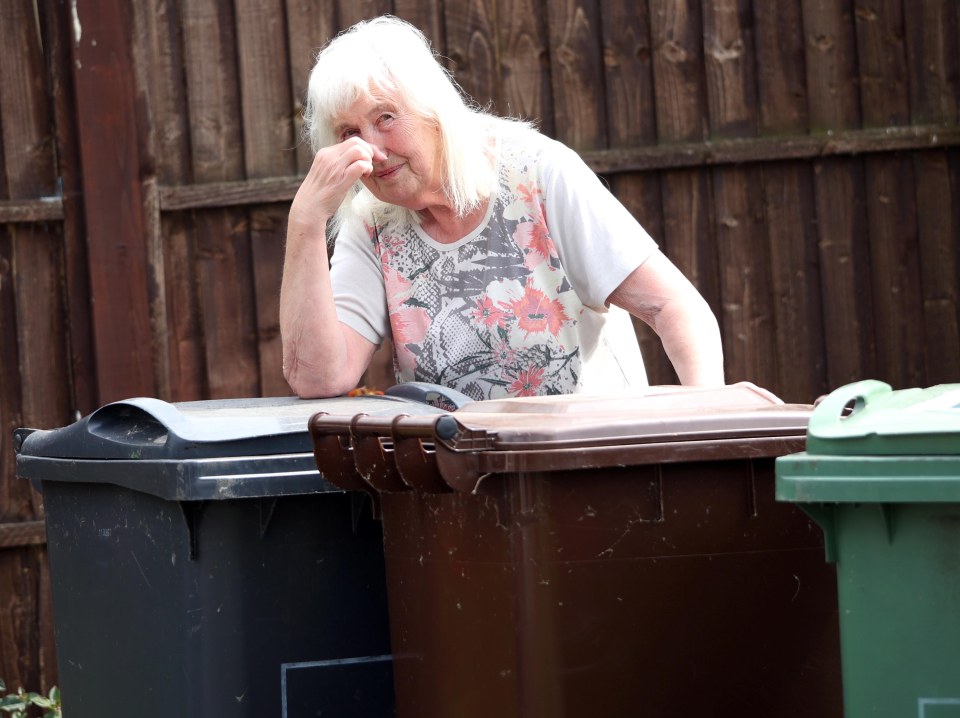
(894, 260)
(933, 67)
(310, 26)
(350, 12)
(268, 133)
(177, 331)
(729, 67)
(34, 356)
(106, 100)
(47, 209)
(647, 158)
(628, 74)
(746, 317)
(632, 122)
(939, 231)
(470, 30)
(229, 194)
(524, 70)
(833, 102)
(427, 15)
(577, 73)
(882, 63)
(934, 83)
(222, 249)
(689, 234)
(680, 92)
(789, 207)
(185, 345)
(832, 82)
(891, 198)
(22, 533)
(19, 617)
(57, 24)
(35, 251)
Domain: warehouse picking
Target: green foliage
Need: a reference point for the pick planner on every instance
(18, 704)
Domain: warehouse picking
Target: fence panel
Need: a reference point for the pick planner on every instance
(33, 349)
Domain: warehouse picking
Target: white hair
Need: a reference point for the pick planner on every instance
(391, 56)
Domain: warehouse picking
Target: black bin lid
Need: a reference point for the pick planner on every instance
(199, 450)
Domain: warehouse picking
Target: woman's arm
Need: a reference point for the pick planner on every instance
(321, 356)
(659, 294)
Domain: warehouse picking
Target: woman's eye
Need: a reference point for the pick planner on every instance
(386, 117)
(347, 134)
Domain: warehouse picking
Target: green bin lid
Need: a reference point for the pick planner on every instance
(867, 443)
(868, 418)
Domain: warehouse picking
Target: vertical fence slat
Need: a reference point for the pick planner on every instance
(524, 48)
(933, 47)
(577, 73)
(890, 192)
(747, 318)
(838, 187)
(159, 60)
(58, 39)
(939, 235)
(789, 205)
(632, 122)
(472, 49)
(427, 15)
(934, 76)
(34, 357)
(224, 264)
(309, 27)
(106, 114)
(353, 11)
(268, 134)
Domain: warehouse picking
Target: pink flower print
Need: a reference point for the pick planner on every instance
(536, 313)
(528, 194)
(527, 382)
(534, 240)
(488, 313)
(409, 324)
(503, 353)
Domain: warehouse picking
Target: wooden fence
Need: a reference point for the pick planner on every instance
(797, 159)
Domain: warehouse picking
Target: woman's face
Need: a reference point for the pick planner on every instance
(410, 175)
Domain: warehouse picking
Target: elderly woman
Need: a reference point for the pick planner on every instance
(493, 257)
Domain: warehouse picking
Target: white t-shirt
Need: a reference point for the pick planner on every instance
(517, 307)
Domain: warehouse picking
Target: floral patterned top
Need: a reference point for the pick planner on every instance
(516, 308)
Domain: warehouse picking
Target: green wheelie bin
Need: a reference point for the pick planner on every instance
(881, 475)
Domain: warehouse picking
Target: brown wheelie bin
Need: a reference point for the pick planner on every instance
(581, 556)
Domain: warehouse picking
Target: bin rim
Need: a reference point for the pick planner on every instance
(811, 478)
(458, 451)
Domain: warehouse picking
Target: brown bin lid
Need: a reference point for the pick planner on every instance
(652, 426)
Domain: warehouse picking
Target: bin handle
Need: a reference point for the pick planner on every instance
(436, 395)
(832, 411)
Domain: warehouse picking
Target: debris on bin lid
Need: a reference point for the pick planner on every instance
(870, 418)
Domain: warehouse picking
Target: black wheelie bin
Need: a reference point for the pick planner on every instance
(202, 567)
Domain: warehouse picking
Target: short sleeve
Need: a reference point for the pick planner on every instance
(357, 281)
(599, 242)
